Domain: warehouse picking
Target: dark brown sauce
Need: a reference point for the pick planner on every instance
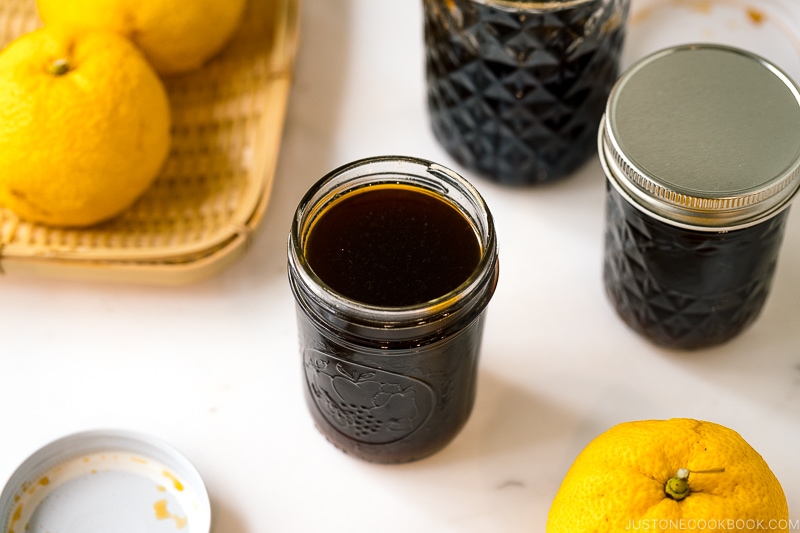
(392, 246)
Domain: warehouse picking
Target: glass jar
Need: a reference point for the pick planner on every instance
(700, 145)
(390, 383)
(516, 89)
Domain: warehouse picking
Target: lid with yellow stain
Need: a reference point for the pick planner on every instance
(105, 482)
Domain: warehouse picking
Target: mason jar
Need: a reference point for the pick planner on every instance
(392, 262)
(516, 88)
(700, 145)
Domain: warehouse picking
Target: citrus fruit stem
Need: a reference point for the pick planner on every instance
(59, 67)
(677, 487)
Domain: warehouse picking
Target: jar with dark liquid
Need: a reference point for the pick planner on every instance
(516, 88)
(701, 149)
(392, 262)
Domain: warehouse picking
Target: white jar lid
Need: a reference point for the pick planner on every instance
(105, 482)
(704, 136)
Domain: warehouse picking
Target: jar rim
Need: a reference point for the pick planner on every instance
(532, 5)
(385, 317)
(703, 176)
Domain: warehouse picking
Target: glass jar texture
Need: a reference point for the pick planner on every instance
(391, 384)
(700, 176)
(682, 288)
(516, 89)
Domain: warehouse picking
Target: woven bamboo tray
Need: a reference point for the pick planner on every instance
(212, 192)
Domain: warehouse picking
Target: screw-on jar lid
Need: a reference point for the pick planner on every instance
(704, 136)
(105, 480)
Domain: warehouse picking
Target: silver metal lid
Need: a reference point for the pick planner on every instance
(103, 481)
(704, 136)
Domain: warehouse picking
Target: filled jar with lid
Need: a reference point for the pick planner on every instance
(516, 88)
(700, 145)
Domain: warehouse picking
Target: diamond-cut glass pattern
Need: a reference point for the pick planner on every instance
(517, 95)
(686, 289)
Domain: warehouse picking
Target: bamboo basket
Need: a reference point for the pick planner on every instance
(198, 215)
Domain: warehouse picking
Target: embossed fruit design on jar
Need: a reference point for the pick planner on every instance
(367, 404)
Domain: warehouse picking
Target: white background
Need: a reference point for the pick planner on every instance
(213, 368)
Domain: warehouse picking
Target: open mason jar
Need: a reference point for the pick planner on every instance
(392, 262)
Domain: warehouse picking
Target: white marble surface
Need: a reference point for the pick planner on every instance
(213, 367)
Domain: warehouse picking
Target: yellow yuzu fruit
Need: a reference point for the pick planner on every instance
(174, 36)
(619, 482)
(84, 126)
